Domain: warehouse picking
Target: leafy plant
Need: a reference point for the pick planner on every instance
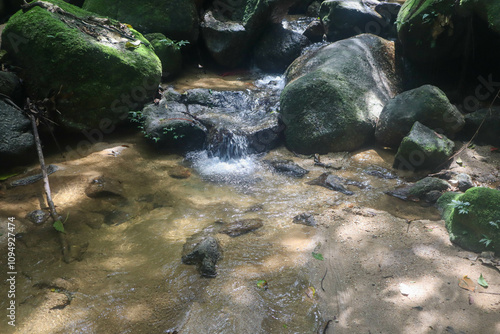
(495, 224)
(138, 117)
(485, 240)
(462, 207)
(318, 256)
(175, 44)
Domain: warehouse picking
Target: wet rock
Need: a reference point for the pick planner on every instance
(278, 48)
(305, 219)
(75, 61)
(287, 167)
(344, 19)
(230, 30)
(479, 222)
(179, 172)
(427, 105)
(116, 217)
(464, 182)
(76, 252)
(424, 186)
(432, 196)
(38, 216)
(314, 31)
(204, 252)
(423, 149)
(169, 126)
(17, 145)
(489, 133)
(10, 85)
(402, 193)
(176, 19)
(380, 173)
(32, 178)
(320, 104)
(331, 182)
(240, 227)
(389, 12)
(102, 187)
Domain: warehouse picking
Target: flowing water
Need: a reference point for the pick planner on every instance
(131, 280)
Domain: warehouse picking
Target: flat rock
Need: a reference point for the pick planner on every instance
(240, 227)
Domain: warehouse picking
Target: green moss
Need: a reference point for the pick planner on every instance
(91, 75)
(468, 229)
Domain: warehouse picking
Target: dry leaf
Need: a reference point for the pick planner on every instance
(467, 284)
(311, 292)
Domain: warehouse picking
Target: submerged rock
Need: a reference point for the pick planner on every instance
(98, 75)
(331, 182)
(473, 218)
(333, 96)
(38, 217)
(204, 252)
(240, 227)
(305, 219)
(427, 105)
(287, 167)
(104, 187)
(179, 172)
(423, 149)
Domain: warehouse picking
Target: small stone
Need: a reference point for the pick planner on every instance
(179, 172)
(104, 187)
(404, 289)
(203, 251)
(305, 219)
(38, 216)
(464, 182)
(244, 226)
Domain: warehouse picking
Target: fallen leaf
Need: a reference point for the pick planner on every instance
(494, 149)
(311, 292)
(459, 161)
(466, 283)
(318, 256)
(262, 284)
(133, 45)
(58, 225)
(482, 282)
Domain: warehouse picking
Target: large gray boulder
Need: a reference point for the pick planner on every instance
(335, 94)
(230, 29)
(175, 19)
(427, 104)
(423, 148)
(99, 74)
(490, 128)
(17, 145)
(278, 48)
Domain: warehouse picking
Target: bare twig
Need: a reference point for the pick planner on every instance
(53, 213)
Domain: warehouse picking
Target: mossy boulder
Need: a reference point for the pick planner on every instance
(333, 97)
(426, 185)
(423, 149)
(473, 218)
(426, 104)
(175, 19)
(169, 53)
(99, 75)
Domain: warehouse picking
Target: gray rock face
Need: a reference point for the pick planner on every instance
(427, 105)
(423, 149)
(345, 19)
(278, 48)
(204, 252)
(489, 133)
(17, 145)
(335, 94)
(464, 182)
(10, 85)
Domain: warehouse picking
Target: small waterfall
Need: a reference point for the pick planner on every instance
(227, 145)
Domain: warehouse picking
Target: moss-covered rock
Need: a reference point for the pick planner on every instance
(333, 96)
(169, 53)
(473, 218)
(99, 75)
(426, 185)
(426, 104)
(423, 149)
(175, 19)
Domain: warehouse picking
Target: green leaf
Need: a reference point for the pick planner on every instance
(318, 256)
(58, 225)
(495, 224)
(262, 284)
(482, 282)
(6, 176)
(133, 45)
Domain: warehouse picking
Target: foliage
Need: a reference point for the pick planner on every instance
(174, 44)
(461, 206)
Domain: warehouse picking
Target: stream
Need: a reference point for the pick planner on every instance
(128, 276)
